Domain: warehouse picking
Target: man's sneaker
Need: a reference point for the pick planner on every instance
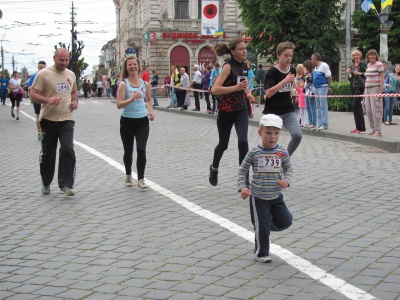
(142, 184)
(45, 189)
(67, 191)
(128, 180)
(263, 259)
(213, 178)
(39, 137)
(12, 115)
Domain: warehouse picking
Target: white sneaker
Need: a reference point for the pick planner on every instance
(263, 259)
(142, 184)
(128, 180)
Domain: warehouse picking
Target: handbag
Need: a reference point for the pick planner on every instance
(187, 100)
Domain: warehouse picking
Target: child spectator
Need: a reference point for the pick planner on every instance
(303, 117)
(272, 172)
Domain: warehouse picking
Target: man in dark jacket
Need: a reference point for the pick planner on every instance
(154, 84)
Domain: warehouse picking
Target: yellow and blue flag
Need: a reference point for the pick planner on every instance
(219, 32)
(385, 3)
(368, 4)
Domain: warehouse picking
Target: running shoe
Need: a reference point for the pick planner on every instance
(128, 180)
(45, 189)
(142, 184)
(213, 178)
(263, 259)
(355, 131)
(67, 191)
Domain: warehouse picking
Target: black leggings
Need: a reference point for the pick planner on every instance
(15, 99)
(225, 122)
(130, 129)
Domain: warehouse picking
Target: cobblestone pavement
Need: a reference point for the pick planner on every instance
(184, 239)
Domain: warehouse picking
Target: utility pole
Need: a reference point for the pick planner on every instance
(73, 32)
(348, 33)
(13, 63)
(2, 58)
(384, 30)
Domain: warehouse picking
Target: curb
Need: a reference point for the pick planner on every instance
(387, 144)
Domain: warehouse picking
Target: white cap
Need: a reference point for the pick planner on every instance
(196, 67)
(271, 120)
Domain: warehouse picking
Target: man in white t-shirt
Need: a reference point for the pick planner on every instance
(196, 84)
(322, 79)
(99, 88)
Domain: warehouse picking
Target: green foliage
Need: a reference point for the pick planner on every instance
(6, 73)
(339, 103)
(368, 27)
(312, 25)
(76, 64)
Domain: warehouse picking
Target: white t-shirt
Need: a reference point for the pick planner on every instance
(14, 83)
(197, 77)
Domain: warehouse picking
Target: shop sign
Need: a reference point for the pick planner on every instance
(190, 37)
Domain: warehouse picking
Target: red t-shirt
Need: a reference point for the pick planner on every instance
(145, 76)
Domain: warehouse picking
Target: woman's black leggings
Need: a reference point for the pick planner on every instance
(225, 122)
(130, 129)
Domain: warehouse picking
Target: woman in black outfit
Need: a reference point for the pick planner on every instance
(234, 104)
(357, 86)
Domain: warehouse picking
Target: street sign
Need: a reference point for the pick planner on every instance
(146, 37)
(132, 51)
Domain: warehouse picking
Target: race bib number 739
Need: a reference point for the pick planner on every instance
(269, 163)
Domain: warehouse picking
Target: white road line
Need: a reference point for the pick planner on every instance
(293, 260)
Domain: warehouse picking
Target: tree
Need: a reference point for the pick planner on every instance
(312, 25)
(368, 26)
(76, 64)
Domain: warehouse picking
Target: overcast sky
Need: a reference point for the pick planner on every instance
(29, 29)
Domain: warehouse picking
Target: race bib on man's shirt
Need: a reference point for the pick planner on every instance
(63, 88)
(269, 163)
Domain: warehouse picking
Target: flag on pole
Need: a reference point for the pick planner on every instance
(219, 32)
(365, 6)
(385, 3)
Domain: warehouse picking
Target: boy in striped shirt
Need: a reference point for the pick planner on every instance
(272, 172)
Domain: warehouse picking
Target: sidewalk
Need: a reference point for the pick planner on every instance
(340, 124)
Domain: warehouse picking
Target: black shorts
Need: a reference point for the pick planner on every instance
(36, 107)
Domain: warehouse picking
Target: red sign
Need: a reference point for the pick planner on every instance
(189, 36)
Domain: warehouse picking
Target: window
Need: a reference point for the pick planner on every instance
(181, 9)
(199, 10)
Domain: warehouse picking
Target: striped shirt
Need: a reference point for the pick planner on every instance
(373, 74)
(264, 184)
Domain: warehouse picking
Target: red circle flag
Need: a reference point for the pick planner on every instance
(210, 11)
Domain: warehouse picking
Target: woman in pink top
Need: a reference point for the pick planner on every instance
(374, 85)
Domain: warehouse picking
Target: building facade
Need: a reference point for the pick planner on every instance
(165, 33)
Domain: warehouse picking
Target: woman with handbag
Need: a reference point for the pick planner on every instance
(356, 72)
(14, 84)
